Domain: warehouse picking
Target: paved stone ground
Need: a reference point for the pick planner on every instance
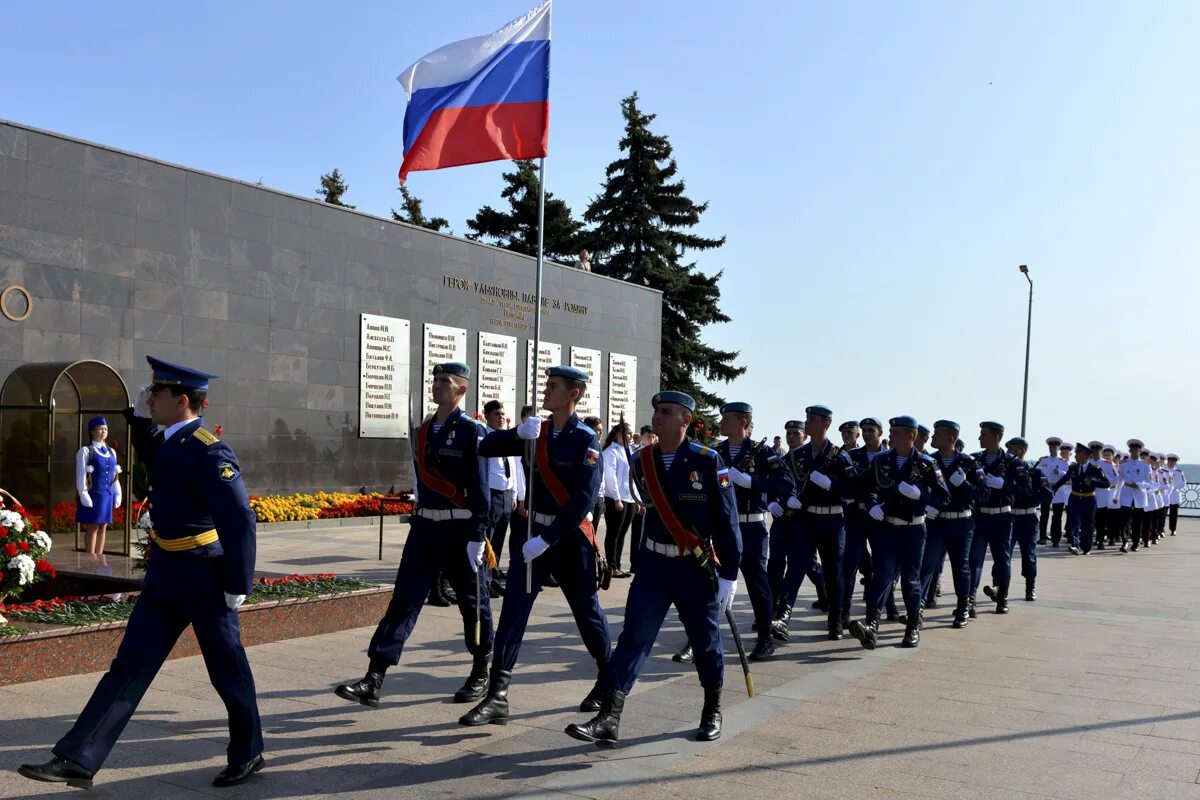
(1091, 692)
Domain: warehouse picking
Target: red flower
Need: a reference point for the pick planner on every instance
(10, 549)
(24, 547)
(217, 429)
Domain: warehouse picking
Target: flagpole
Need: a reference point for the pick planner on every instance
(537, 349)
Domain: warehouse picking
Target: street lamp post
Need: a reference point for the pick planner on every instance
(1028, 332)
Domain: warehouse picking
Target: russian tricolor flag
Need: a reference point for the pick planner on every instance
(481, 99)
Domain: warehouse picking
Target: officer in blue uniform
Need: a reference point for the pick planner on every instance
(1026, 505)
(446, 535)
(566, 455)
(1003, 477)
(859, 526)
(201, 567)
(1085, 478)
(690, 506)
(949, 528)
(900, 484)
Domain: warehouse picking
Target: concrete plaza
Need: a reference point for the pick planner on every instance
(1093, 691)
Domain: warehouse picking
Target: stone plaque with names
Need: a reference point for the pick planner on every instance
(497, 372)
(383, 377)
(442, 343)
(622, 390)
(550, 356)
(588, 360)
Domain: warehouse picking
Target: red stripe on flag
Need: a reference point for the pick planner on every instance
(475, 134)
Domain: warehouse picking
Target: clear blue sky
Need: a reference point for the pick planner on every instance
(880, 170)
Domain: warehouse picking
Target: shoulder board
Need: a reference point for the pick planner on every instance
(207, 437)
(703, 450)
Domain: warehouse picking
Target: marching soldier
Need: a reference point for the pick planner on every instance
(1135, 476)
(201, 567)
(566, 483)
(1158, 497)
(1058, 504)
(849, 431)
(1027, 499)
(1178, 484)
(1003, 476)
(923, 434)
(446, 535)
(1084, 477)
(856, 557)
(1053, 468)
(692, 549)
(900, 484)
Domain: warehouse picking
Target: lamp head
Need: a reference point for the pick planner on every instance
(1024, 268)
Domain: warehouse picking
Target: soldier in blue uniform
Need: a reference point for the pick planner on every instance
(900, 484)
(446, 536)
(566, 455)
(1085, 478)
(859, 526)
(1027, 501)
(690, 558)
(201, 567)
(949, 528)
(1003, 477)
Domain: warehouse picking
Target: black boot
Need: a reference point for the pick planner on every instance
(365, 691)
(1030, 590)
(60, 770)
(603, 729)
(591, 703)
(710, 717)
(960, 614)
(866, 632)
(822, 601)
(972, 613)
(893, 614)
(834, 626)
(912, 636)
(477, 682)
(448, 592)
(1002, 599)
(494, 708)
(990, 591)
(779, 626)
(846, 618)
(684, 656)
(437, 594)
(764, 648)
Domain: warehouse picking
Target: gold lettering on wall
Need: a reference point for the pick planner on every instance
(514, 308)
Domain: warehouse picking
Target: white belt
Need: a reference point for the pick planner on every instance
(441, 515)
(759, 517)
(544, 519)
(995, 509)
(669, 550)
(917, 520)
(1024, 511)
(823, 510)
(953, 514)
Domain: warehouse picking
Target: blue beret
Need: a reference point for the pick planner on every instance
(991, 426)
(948, 423)
(96, 422)
(1017, 441)
(819, 411)
(570, 373)
(903, 421)
(168, 374)
(923, 429)
(848, 425)
(865, 421)
(454, 368)
(793, 423)
(739, 408)
(678, 398)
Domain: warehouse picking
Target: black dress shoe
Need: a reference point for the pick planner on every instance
(912, 636)
(365, 691)
(990, 591)
(684, 656)
(58, 770)
(867, 632)
(764, 648)
(236, 773)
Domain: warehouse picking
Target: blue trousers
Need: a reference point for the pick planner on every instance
(660, 582)
(432, 547)
(855, 555)
(573, 561)
(948, 537)
(1025, 529)
(992, 532)
(786, 573)
(896, 548)
(178, 591)
(783, 530)
(825, 535)
(499, 514)
(1081, 521)
(754, 572)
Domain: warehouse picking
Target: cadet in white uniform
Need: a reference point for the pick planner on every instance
(1178, 483)
(1053, 468)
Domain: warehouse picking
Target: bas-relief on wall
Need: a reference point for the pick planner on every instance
(125, 256)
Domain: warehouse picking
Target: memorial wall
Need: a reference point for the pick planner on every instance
(323, 322)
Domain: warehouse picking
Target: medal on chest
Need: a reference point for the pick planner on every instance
(694, 477)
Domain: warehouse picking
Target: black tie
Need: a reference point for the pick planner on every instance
(507, 469)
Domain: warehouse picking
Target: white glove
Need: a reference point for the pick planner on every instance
(725, 592)
(957, 478)
(530, 428)
(876, 513)
(475, 555)
(820, 479)
(141, 402)
(85, 500)
(994, 481)
(794, 503)
(534, 548)
(740, 478)
(775, 509)
(909, 491)
(232, 601)
(930, 511)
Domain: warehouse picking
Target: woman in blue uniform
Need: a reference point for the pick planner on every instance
(96, 484)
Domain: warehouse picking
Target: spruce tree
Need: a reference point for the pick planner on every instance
(643, 233)
(516, 228)
(332, 187)
(413, 214)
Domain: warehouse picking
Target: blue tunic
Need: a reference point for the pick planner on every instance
(103, 462)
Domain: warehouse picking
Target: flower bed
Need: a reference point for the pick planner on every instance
(325, 505)
(22, 551)
(61, 518)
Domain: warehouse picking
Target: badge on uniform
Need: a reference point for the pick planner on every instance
(591, 456)
(226, 471)
(723, 478)
(694, 477)
(450, 436)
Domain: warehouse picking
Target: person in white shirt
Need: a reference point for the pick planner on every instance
(1059, 504)
(1177, 483)
(503, 474)
(1106, 517)
(1053, 468)
(621, 500)
(1135, 477)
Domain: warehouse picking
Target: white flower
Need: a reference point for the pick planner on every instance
(42, 539)
(144, 521)
(25, 566)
